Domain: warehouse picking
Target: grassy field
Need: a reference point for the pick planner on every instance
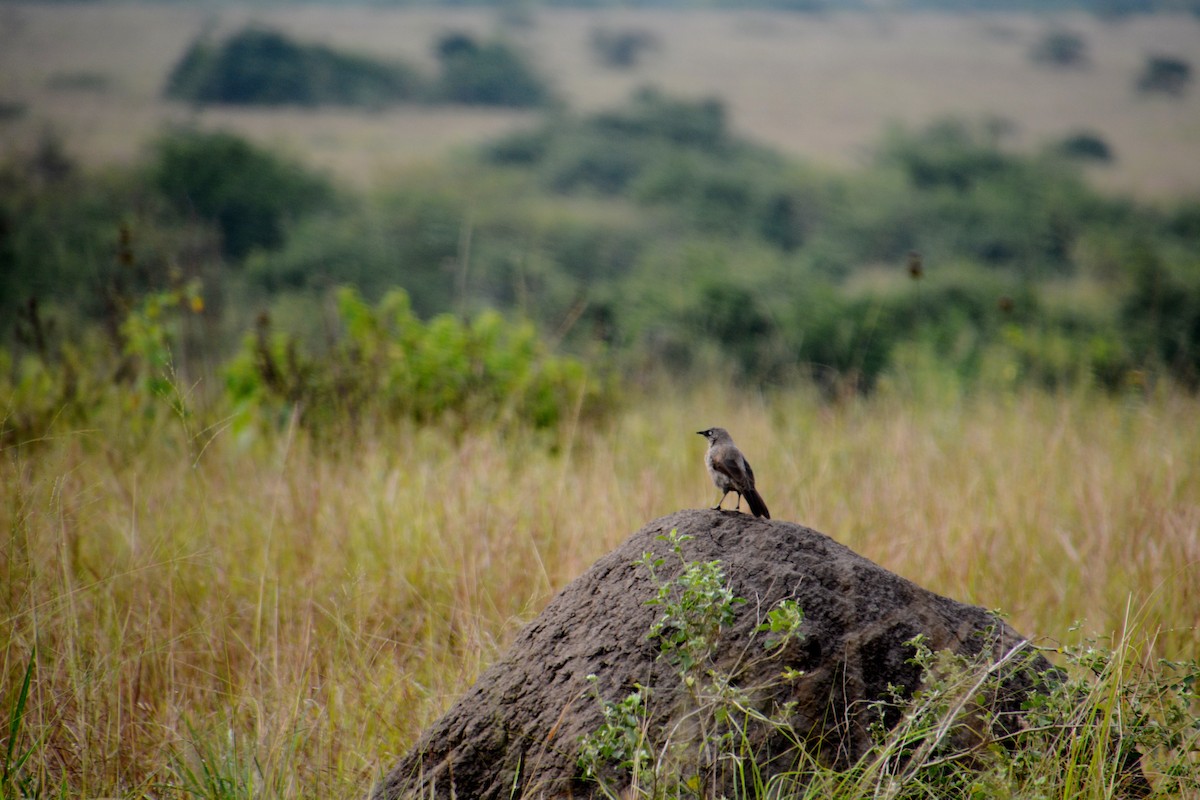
(251, 617)
(819, 87)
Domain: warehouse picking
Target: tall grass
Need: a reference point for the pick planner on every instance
(261, 618)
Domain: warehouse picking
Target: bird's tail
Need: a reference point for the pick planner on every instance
(757, 507)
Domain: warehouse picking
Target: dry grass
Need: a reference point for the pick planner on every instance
(820, 87)
(290, 619)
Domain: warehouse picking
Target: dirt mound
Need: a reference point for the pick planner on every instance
(517, 731)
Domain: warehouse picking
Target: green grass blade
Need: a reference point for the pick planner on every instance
(14, 725)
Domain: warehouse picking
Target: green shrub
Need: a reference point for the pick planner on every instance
(844, 346)
(710, 194)
(488, 73)
(1061, 49)
(623, 48)
(611, 151)
(386, 364)
(1162, 317)
(264, 67)
(250, 194)
(1086, 146)
(405, 239)
(79, 249)
(732, 317)
(652, 115)
(596, 163)
(971, 199)
(1163, 74)
(948, 155)
(626, 756)
(56, 385)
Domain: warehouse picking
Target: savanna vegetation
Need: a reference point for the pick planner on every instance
(646, 237)
(259, 66)
(286, 462)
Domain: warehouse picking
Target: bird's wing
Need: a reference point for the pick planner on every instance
(728, 461)
(749, 472)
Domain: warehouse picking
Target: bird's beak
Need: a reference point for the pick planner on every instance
(700, 432)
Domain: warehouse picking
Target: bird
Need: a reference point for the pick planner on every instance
(731, 472)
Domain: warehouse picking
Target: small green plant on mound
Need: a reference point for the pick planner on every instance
(1102, 724)
(386, 364)
(706, 745)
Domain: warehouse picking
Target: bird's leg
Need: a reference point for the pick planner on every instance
(738, 507)
(717, 507)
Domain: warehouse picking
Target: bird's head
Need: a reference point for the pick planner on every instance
(714, 434)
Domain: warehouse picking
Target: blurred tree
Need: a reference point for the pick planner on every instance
(250, 194)
(622, 48)
(731, 316)
(1164, 75)
(1086, 146)
(1162, 315)
(77, 248)
(488, 73)
(1062, 49)
(264, 67)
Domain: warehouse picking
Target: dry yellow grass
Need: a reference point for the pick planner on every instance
(267, 601)
(819, 87)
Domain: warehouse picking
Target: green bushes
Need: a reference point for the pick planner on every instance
(1061, 49)
(973, 200)
(620, 151)
(400, 239)
(263, 67)
(1086, 146)
(621, 48)
(126, 379)
(489, 73)
(78, 250)
(248, 193)
(1163, 74)
(1162, 316)
(652, 234)
(386, 364)
(383, 365)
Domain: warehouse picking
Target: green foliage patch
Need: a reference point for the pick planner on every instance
(249, 193)
(263, 67)
(386, 364)
(488, 73)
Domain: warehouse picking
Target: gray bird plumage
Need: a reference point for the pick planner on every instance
(731, 472)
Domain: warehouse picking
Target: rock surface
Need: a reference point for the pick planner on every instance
(516, 732)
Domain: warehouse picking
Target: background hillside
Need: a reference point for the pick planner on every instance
(820, 87)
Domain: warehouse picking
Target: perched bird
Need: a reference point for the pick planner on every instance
(731, 472)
